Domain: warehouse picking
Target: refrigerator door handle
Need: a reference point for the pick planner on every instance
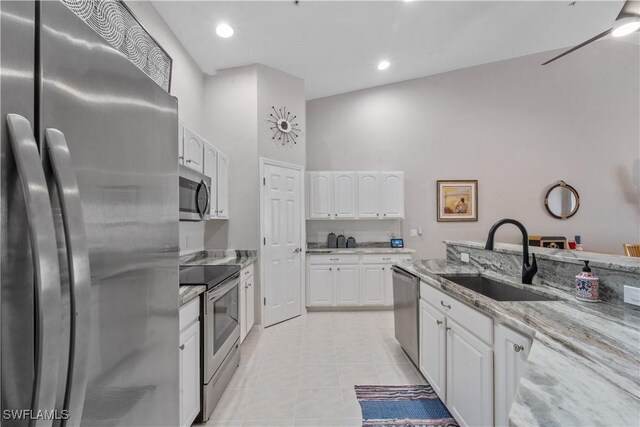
(79, 273)
(44, 252)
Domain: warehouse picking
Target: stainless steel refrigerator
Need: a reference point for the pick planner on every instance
(89, 236)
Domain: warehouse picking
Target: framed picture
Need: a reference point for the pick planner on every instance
(457, 200)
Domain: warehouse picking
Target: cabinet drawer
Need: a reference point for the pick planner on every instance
(189, 313)
(333, 259)
(246, 272)
(477, 323)
(384, 258)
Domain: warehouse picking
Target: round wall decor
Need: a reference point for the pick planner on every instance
(285, 128)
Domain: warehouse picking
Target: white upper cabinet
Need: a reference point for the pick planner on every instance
(393, 194)
(369, 195)
(344, 194)
(222, 199)
(193, 150)
(320, 195)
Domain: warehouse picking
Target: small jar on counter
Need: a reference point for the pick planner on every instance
(587, 285)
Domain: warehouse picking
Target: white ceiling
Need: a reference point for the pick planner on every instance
(335, 46)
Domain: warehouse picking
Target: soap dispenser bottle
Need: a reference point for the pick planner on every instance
(587, 285)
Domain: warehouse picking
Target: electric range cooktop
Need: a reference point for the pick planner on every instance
(207, 275)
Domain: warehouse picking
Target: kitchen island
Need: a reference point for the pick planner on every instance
(583, 365)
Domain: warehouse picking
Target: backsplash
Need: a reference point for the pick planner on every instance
(363, 231)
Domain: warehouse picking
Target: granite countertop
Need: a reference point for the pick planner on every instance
(583, 367)
(241, 258)
(609, 261)
(361, 248)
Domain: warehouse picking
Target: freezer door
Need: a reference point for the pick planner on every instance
(121, 130)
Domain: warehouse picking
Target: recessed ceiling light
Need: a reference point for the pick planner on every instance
(224, 30)
(625, 26)
(383, 65)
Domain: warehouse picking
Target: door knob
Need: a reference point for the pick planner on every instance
(182, 347)
(518, 348)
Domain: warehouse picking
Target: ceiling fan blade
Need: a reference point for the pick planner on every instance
(583, 44)
(630, 8)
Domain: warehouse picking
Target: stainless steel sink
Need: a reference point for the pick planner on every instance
(494, 289)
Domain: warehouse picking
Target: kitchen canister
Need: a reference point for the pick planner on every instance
(332, 240)
(351, 242)
(587, 285)
(342, 241)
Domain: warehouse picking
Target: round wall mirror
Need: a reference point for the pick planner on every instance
(562, 200)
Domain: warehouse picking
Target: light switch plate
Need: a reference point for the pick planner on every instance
(413, 232)
(464, 257)
(632, 295)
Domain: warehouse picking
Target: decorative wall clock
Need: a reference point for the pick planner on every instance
(285, 128)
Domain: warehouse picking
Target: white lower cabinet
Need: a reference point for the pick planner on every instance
(189, 349)
(474, 367)
(347, 284)
(351, 280)
(247, 301)
(511, 352)
(433, 343)
(469, 377)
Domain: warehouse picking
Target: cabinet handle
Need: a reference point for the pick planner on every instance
(385, 214)
(382, 268)
(438, 322)
(444, 305)
(334, 259)
(338, 269)
(188, 160)
(518, 348)
(181, 347)
(377, 214)
(328, 214)
(330, 269)
(386, 259)
(180, 157)
(448, 328)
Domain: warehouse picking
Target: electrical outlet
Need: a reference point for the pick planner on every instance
(464, 257)
(632, 295)
(413, 233)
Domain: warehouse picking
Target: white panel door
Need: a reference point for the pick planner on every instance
(392, 194)
(193, 150)
(469, 377)
(210, 170)
(433, 344)
(320, 289)
(190, 385)
(512, 350)
(373, 284)
(369, 200)
(283, 243)
(344, 194)
(320, 195)
(347, 284)
(180, 143)
(222, 199)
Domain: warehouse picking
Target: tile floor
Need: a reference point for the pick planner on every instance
(302, 372)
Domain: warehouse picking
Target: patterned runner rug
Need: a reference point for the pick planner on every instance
(402, 405)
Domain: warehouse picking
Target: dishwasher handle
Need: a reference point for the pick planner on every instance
(400, 271)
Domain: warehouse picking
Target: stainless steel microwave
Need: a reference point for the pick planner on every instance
(195, 195)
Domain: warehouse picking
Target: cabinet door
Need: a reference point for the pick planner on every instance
(393, 194)
(180, 143)
(347, 285)
(250, 304)
(512, 350)
(369, 199)
(189, 374)
(433, 344)
(344, 194)
(320, 286)
(193, 150)
(320, 195)
(469, 377)
(243, 308)
(373, 284)
(222, 210)
(210, 170)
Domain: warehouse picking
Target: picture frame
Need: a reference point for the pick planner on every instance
(457, 200)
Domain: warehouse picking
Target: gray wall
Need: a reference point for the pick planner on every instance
(513, 125)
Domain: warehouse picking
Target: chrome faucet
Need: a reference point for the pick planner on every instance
(528, 270)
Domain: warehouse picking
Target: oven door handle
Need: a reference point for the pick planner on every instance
(224, 287)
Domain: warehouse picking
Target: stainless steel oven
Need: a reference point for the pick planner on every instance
(194, 195)
(221, 341)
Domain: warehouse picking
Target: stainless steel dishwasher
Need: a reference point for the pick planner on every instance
(406, 297)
